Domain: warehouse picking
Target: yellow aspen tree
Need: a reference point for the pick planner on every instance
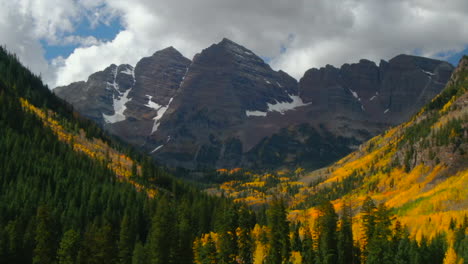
(451, 256)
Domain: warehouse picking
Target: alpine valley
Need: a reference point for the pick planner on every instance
(364, 164)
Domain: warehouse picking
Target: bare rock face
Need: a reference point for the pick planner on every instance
(225, 83)
(375, 96)
(228, 108)
(409, 82)
(129, 101)
(95, 98)
(157, 80)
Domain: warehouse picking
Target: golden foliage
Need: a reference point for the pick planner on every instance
(260, 252)
(97, 149)
(296, 257)
(451, 257)
(222, 171)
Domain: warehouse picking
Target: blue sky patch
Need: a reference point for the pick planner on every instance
(455, 58)
(101, 32)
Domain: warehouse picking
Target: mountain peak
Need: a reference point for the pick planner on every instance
(228, 41)
(169, 51)
(233, 46)
(111, 67)
(404, 58)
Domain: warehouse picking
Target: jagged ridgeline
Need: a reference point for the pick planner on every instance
(71, 194)
(227, 108)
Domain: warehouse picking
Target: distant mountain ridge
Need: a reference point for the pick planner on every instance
(228, 108)
(418, 168)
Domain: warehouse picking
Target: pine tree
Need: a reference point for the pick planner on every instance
(3, 241)
(280, 249)
(98, 245)
(205, 253)
(296, 243)
(379, 247)
(345, 237)
(13, 241)
(126, 241)
(460, 234)
(326, 227)
(399, 232)
(437, 248)
(424, 252)
(368, 222)
(46, 237)
(69, 246)
(307, 252)
(186, 232)
(464, 250)
(139, 254)
(161, 237)
(244, 237)
(227, 237)
(402, 255)
(414, 253)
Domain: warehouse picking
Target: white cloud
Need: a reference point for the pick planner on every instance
(25, 23)
(314, 33)
(80, 41)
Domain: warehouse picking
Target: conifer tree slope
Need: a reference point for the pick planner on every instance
(419, 169)
(71, 194)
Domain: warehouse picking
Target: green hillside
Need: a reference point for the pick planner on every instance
(71, 194)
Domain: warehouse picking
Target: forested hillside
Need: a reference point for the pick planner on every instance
(420, 168)
(70, 194)
(401, 198)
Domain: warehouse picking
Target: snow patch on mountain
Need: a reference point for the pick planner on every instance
(128, 71)
(159, 114)
(427, 72)
(119, 108)
(355, 95)
(255, 113)
(152, 104)
(118, 102)
(156, 149)
(282, 107)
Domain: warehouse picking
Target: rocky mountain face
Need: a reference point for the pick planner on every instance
(129, 101)
(228, 108)
(207, 122)
(365, 93)
(418, 168)
(102, 98)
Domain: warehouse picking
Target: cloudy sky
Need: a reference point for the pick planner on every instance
(67, 40)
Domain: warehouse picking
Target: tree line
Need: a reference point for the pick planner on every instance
(330, 239)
